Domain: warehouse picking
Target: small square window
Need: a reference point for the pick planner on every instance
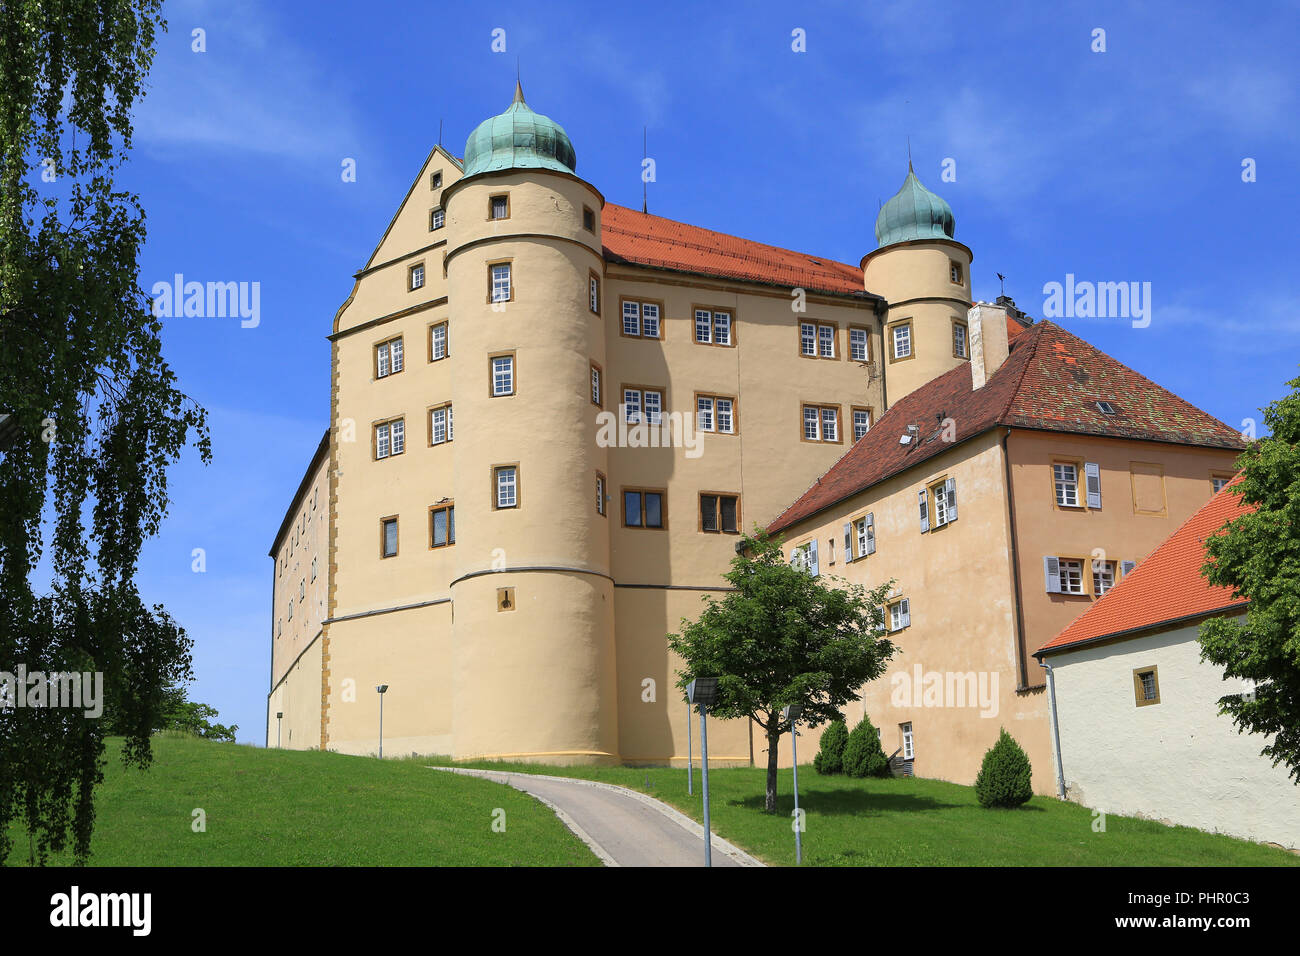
(588, 219)
(435, 181)
(643, 508)
(499, 207)
(1146, 686)
(720, 513)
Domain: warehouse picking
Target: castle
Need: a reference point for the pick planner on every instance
(552, 417)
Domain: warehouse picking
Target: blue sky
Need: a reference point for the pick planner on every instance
(1117, 166)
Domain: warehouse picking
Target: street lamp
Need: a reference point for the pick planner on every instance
(278, 715)
(690, 757)
(382, 689)
(703, 693)
(792, 714)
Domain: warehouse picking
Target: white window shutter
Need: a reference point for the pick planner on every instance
(925, 510)
(871, 533)
(950, 490)
(848, 542)
(812, 557)
(905, 612)
(1093, 473)
(1127, 566)
(1052, 574)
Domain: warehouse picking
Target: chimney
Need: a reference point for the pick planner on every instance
(989, 345)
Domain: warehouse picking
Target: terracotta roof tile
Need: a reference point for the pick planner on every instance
(1052, 380)
(641, 239)
(1167, 586)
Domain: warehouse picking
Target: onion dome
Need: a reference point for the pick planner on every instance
(913, 213)
(519, 139)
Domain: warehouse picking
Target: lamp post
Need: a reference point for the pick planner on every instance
(690, 758)
(703, 693)
(278, 715)
(792, 714)
(382, 689)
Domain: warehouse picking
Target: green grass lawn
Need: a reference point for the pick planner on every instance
(305, 808)
(907, 821)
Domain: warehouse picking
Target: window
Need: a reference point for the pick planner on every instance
(1103, 576)
(821, 423)
(719, 513)
(900, 337)
(712, 327)
(1066, 479)
(595, 385)
(500, 289)
(499, 207)
(859, 349)
(440, 425)
(641, 319)
(313, 569)
(279, 626)
(442, 526)
(437, 219)
(435, 180)
(861, 422)
(861, 538)
(388, 358)
(954, 271)
(960, 349)
(588, 219)
(416, 276)
(1218, 480)
(715, 413)
(302, 590)
(600, 494)
(388, 537)
(943, 504)
(1146, 686)
(636, 398)
(825, 341)
(593, 293)
(643, 508)
(1106, 408)
(804, 557)
(291, 609)
(438, 342)
(1063, 575)
(503, 374)
(505, 481)
(900, 614)
(909, 749)
(390, 438)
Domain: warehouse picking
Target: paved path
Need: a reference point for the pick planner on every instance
(622, 827)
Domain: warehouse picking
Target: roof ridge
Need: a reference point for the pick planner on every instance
(1035, 329)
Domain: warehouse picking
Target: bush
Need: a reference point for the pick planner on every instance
(863, 755)
(1004, 777)
(830, 759)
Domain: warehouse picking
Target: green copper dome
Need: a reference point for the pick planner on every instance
(913, 213)
(519, 139)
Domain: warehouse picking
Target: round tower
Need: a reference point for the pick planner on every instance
(532, 625)
(924, 276)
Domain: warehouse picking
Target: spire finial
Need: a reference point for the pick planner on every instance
(909, 153)
(519, 86)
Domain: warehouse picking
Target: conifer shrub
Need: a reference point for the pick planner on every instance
(1004, 777)
(830, 758)
(863, 755)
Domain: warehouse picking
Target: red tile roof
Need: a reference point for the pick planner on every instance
(1052, 380)
(1167, 586)
(641, 239)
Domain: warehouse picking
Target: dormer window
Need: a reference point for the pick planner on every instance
(1106, 408)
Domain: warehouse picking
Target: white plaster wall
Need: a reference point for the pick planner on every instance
(1177, 761)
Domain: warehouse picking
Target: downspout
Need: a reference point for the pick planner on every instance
(1056, 728)
(1015, 571)
(881, 309)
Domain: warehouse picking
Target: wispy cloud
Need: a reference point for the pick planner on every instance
(253, 91)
